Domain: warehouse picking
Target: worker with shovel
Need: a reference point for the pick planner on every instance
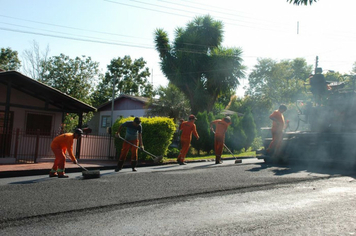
(60, 145)
(221, 126)
(133, 136)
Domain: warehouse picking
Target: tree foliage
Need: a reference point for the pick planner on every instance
(74, 77)
(249, 128)
(198, 64)
(302, 2)
(235, 137)
(171, 103)
(9, 59)
(280, 82)
(131, 77)
(35, 60)
(206, 140)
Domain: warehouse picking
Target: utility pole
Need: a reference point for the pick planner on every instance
(112, 113)
(316, 64)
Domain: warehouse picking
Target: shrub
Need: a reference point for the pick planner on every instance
(157, 134)
(172, 152)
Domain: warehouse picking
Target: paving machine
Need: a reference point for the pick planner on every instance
(328, 135)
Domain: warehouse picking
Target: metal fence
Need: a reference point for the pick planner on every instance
(27, 147)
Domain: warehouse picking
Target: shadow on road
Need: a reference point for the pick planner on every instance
(313, 167)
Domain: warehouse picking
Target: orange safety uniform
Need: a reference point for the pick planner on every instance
(277, 131)
(188, 128)
(59, 146)
(219, 137)
(131, 136)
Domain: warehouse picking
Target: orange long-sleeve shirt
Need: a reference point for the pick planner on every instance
(64, 142)
(188, 128)
(220, 127)
(278, 121)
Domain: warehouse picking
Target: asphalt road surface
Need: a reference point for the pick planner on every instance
(197, 199)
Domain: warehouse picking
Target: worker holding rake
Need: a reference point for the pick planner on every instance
(133, 136)
(221, 126)
(188, 128)
(60, 145)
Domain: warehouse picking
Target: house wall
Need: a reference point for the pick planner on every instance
(20, 98)
(124, 107)
(19, 122)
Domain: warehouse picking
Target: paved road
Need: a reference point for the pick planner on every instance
(198, 199)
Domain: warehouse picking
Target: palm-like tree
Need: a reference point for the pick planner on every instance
(197, 63)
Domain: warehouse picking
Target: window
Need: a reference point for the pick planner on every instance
(105, 121)
(42, 122)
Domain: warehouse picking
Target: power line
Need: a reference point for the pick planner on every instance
(69, 27)
(77, 39)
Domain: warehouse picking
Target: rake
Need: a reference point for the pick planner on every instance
(156, 159)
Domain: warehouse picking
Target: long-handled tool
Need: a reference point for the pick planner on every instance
(236, 160)
(156, 159)
(89, 174)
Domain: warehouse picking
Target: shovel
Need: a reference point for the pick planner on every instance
(156, 159)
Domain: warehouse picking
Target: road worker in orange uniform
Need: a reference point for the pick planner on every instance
(60, 145)
(219, 136)
(134, 136)
(277, 130)
(188, 128)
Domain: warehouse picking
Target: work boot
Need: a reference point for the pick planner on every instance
(133, 165)
(62, 175)
(218, 160)
(120, 164)
(53, 174)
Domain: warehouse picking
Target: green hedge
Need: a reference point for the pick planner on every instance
(157, 135)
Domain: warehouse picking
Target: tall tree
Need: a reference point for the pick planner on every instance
(198, 64)
(35, 60)
(280, 82)
(171, 102)
(302, 2)
(131, 78)
(9, 59)
(74, 77)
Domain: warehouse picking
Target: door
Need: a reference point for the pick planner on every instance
(5, 134)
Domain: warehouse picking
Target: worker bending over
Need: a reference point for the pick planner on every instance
(60, 145)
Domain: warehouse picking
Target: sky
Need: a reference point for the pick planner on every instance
(108, 29)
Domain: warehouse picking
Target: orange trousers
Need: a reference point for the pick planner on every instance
(59, 161)
(126, 147)
(219, 145)
(185, 143)
(275, 145)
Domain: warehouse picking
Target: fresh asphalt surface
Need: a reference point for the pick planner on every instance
(196, 199)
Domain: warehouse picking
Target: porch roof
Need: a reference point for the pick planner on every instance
(44, 92)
